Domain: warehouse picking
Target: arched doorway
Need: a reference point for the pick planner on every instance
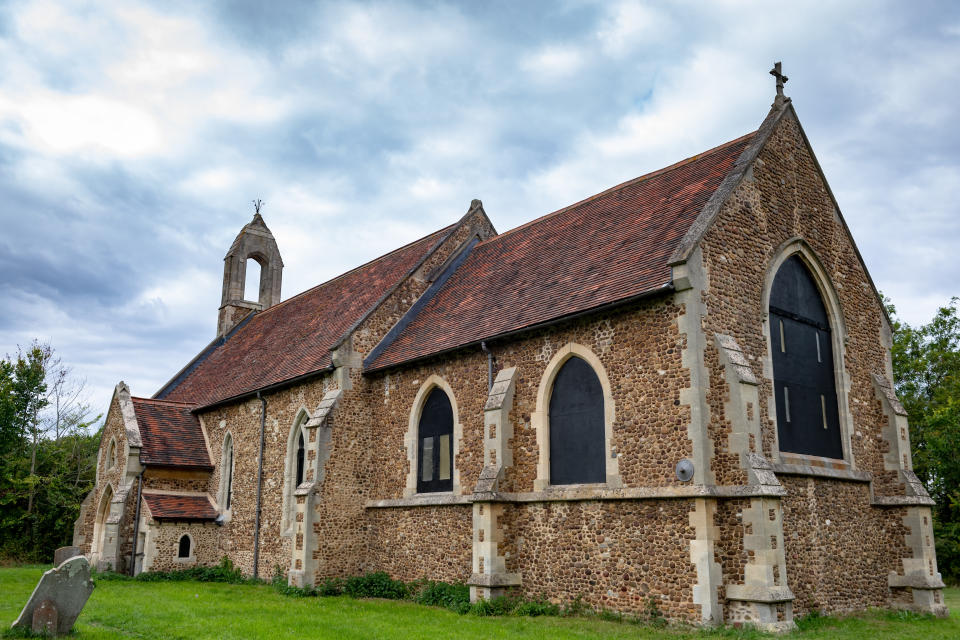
(100, 526)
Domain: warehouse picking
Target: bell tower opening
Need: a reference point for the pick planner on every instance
(251, 287)
(252, 271)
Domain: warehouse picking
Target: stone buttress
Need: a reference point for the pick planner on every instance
(489, 577)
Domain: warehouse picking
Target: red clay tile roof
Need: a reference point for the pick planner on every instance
(294, 337)
(609, 247)
(165, 506)
(171, 435)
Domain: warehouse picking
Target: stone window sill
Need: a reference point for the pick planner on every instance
(440, 498)
(580, 493)
(811, 466)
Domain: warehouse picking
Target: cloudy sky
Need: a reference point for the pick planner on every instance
(133, 137)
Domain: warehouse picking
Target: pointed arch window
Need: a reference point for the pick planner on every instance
(226, 473)
(435, 444)
(295, 469)
(577, 441)
(112, 454)
(300, 459)
(805, 389)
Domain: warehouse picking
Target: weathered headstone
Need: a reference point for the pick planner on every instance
(64, 553)
(58, 597)
(45, 618)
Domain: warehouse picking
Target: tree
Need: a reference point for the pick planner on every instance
(48, 455)
(926, 367)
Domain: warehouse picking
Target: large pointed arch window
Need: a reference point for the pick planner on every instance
(805, 389)
(435, 444)
(577, 441)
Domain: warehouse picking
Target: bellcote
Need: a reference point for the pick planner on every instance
(254, 242)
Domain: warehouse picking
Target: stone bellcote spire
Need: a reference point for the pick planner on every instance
(253, 242)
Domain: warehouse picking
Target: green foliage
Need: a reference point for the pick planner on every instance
(499, 606)
(455, 597)
(576, 607)
(375, 585)
(224, 572)
(536, 607)
(332, 587)
(47, 453)
(926, 367)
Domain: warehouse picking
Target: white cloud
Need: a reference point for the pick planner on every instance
(553, 62)
(630, 25)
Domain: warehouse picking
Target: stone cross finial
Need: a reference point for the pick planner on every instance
(781, 79)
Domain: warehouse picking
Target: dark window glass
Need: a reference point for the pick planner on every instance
(184, 550)
(435, 444)
(808, 419)
(300, 460)
(228, 469)
(576, 425)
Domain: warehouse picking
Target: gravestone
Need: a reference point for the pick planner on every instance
(45, 618)
(64, 553)
(58, 598)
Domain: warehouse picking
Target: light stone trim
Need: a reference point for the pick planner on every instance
(920, 573)
(838, 333)
(327, 403)
(902, 501)
(742, 408)
(410, 439)
(225, 513)
(489, 577)
(709, 572)
(851, 475)
(585, 494)
(497, 431)
(288, 504)
(540, 418)
(897, 432)
(129, 416)
(690, 280)
(764, 587)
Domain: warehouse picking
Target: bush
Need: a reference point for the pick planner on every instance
(332, 587)
(538, 607)
(455, 597)
(375, 585)
(576, 608)
(223, 572)
(947, 540)
(499, 606)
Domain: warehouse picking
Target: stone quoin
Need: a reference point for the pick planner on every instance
(674, 393)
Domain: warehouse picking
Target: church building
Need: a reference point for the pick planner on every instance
(674, 393)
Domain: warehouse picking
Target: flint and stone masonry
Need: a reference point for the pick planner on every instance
(663, 288)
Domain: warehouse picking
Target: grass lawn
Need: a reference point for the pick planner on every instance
(120, 609)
